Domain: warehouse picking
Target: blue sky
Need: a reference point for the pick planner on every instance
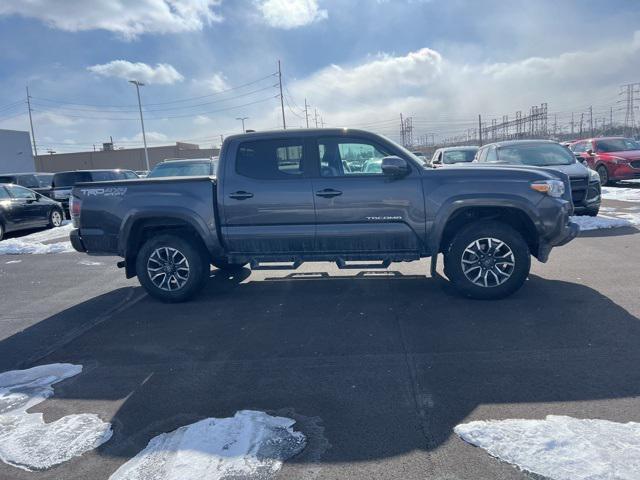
(360, 63)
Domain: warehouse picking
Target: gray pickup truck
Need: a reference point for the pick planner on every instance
(339, 195)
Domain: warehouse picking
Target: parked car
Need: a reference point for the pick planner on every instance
(421, 156)
(22, 208)
(63, 182)
(284, 196)
(585, 183)
(184, 168)
(36, 181)
(614, 158)
(452, 155)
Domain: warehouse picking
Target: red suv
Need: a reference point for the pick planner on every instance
(614, 158)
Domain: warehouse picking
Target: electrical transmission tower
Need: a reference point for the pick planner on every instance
(631, 92)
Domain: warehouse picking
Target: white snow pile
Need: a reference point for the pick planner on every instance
(25, 440)
(623, 194)
(18, 246)
(50, 234)
(599, 222)
(561, 448)
(249, 445)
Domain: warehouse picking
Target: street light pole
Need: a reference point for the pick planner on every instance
(242, 119)
(144, 136)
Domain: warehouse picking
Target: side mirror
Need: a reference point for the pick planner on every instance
(393, 166)
(590, 153)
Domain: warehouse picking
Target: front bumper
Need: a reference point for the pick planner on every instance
(623, 171)
(76, 241)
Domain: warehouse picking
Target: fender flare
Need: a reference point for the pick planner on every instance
(206, 234)
(457, 203)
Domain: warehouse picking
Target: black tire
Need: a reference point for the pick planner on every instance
(604, 175)
(224, 264)
(592, 212)
(453, 257)
(197, 263)
(53, 220)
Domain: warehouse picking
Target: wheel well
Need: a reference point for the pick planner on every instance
(514, 217)
(147, 228)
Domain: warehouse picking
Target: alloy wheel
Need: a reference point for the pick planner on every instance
(168, 269)
(56, 218)
(488, 262)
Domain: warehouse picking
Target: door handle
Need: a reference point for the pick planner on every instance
(328, 193)
(241, 195)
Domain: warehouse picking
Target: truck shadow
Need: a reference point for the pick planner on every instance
(389, 364)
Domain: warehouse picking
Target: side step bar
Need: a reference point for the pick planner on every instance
(257, 265)
(359, 265)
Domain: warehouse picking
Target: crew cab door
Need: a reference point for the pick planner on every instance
(266, 198)
(358, 208)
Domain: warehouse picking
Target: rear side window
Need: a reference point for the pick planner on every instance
(20, 192)
(69, 179)
(270, 159)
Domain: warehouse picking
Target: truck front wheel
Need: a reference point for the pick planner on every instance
(487, 260)
(171, 268)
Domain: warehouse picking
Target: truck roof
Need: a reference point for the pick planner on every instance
(533, 141)
(301, 132)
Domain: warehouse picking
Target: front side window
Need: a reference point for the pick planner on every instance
(270, 159)
(4, 195)
(20, 192)
(343, 157)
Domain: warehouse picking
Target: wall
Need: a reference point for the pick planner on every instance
(15, 152)
(130, 159)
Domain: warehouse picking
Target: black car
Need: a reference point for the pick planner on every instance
(185, 168)
(585, 183)
(21, 209)
(63, 182)
(36, 181)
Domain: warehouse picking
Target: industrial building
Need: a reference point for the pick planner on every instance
(15, 152)
(125, 158)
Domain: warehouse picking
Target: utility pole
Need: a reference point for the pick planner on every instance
(611, 118)
(572, 123)
(591, 121)
(479, 130)
(144, 136)
(33, 135)
(306, 112)
(221, 140)
(284, 120)
(402, 132)
(316, 116)
(322, 121)
(242, 119)
(581, 119)
(630, 90)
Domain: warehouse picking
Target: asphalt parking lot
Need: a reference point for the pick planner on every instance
(376, 367)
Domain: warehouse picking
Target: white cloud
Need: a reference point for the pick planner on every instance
(450, 94)
(289, 14)
(162, 73)
(128, 19)
(152, 137)
(217, 83)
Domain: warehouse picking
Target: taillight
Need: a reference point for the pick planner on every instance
(75, 205)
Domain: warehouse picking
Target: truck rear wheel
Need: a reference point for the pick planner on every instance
(487, 260)
(171, 268)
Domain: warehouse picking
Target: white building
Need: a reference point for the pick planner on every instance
(15, 152)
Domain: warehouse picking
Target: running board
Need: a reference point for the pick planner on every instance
(359, 265)
(257, 265)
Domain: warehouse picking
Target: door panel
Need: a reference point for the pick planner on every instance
(372, 212)
(267, 199)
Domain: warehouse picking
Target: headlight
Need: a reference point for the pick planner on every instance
(555, 188)
(594, 176)
(619, 160)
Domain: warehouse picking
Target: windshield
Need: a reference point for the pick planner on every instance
(458, 156)
(616, 145)
(539, 155)
(181, 169)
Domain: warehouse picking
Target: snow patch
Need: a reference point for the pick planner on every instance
(249, 445)
(50, 234)
(25, 440)
(599, 222)
(13, 261)
(560, 447)
(89, 263)
(623, 194)
(18, 246)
